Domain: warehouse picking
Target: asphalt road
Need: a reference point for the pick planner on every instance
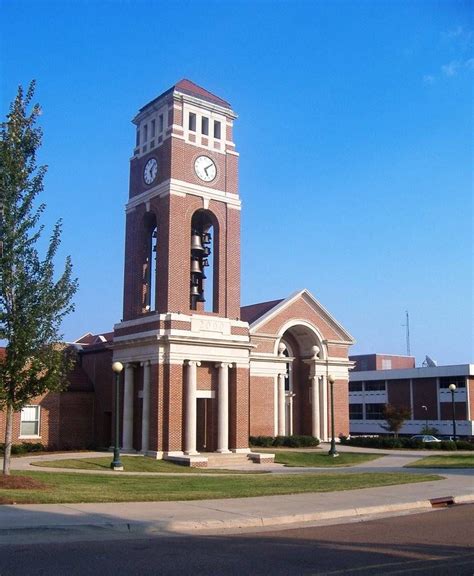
(433, 543)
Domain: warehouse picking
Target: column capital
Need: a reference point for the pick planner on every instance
(145, 363)
(192, 363)
(223, 365)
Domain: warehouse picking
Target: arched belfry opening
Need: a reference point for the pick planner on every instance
(203, 264)
(149, 278)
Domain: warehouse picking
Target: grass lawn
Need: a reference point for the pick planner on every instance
(322, 459)
(448, 461)
(68, 487)
(132, 464)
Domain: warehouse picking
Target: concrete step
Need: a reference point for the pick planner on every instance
(215, 460)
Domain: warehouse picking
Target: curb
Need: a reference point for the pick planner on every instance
(186, 526)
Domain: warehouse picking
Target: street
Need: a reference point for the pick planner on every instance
(432, 543)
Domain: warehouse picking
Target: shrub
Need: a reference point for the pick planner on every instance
(464, 445)
(262, 441)
(24, 448)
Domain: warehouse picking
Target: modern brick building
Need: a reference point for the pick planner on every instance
(201, 373)
(379, 379)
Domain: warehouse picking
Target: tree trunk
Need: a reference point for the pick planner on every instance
(8, 440)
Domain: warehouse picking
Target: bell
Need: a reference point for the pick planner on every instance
(196, 242)
(195, 291)
(205, 262)
(206, 238)
(206, 251)
(195, 266)
(200, 298)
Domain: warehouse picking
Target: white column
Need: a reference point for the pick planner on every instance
(127, 442)
(281, 404)
(315, 415)
(146, 406)
(323, 391)
(190, 403)
(223, 408)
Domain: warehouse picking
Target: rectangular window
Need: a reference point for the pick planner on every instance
(356, 412)
(145, 132)
(153, 128)
(374, 411)
(205, 126)
(160, 123)
(459, 381)
(217, 130)
(386, 364)
(355, 386)
(375, 386)
(29, 425)
(138, 137)
(192, 122)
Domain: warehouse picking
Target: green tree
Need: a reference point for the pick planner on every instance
(32, 302)
(395, 416)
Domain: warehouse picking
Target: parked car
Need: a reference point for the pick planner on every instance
(425, 438)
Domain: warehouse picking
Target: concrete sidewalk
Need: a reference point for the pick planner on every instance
(47, 522)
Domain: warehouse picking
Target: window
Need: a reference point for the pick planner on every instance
(460, 381)
(217, 130)
(205, 125)
(29, 425)
(375, 386)
(355, 386)
(356, 412)
(374, 411)
(145, 132)
(192, 122)
(138, 137)
(160, 123)
(153, 128)
(386, 364)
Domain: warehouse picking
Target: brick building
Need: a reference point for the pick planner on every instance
(379, 379)
(201, 373)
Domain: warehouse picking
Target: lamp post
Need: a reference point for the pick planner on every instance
(425, 408)
(332, 451)
(116, 464)
(452, 387)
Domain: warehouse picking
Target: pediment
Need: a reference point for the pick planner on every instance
(301, 307)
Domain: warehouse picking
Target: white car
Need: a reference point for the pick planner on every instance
(425, 438)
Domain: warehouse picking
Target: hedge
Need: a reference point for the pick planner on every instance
(389, 442)
(24, 448)
(294, 441)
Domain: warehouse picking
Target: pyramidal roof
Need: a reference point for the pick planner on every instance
(188, 87)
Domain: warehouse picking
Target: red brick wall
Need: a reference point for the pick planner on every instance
(446, 410)
(239, 408)
(341, 408)
(399, 393)
(262, 406)
(424, 394)
(76, 422)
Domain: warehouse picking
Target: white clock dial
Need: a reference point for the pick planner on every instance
(205, 168)
(150, 171)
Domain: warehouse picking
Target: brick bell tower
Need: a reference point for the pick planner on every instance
(185, 350)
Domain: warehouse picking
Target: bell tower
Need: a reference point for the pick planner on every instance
(185, 350)
(182, 251)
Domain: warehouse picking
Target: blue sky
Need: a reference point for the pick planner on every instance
(355, 135)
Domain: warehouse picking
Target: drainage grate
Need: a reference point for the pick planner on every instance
(442, 502)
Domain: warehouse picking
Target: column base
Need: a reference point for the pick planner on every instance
(223, 451)
(240, 450)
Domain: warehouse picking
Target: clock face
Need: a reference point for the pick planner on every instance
(205, 168)
(150, 171)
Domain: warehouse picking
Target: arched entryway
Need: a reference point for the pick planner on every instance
(297, 345)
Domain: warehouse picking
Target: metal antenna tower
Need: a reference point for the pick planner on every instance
(407, 326)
